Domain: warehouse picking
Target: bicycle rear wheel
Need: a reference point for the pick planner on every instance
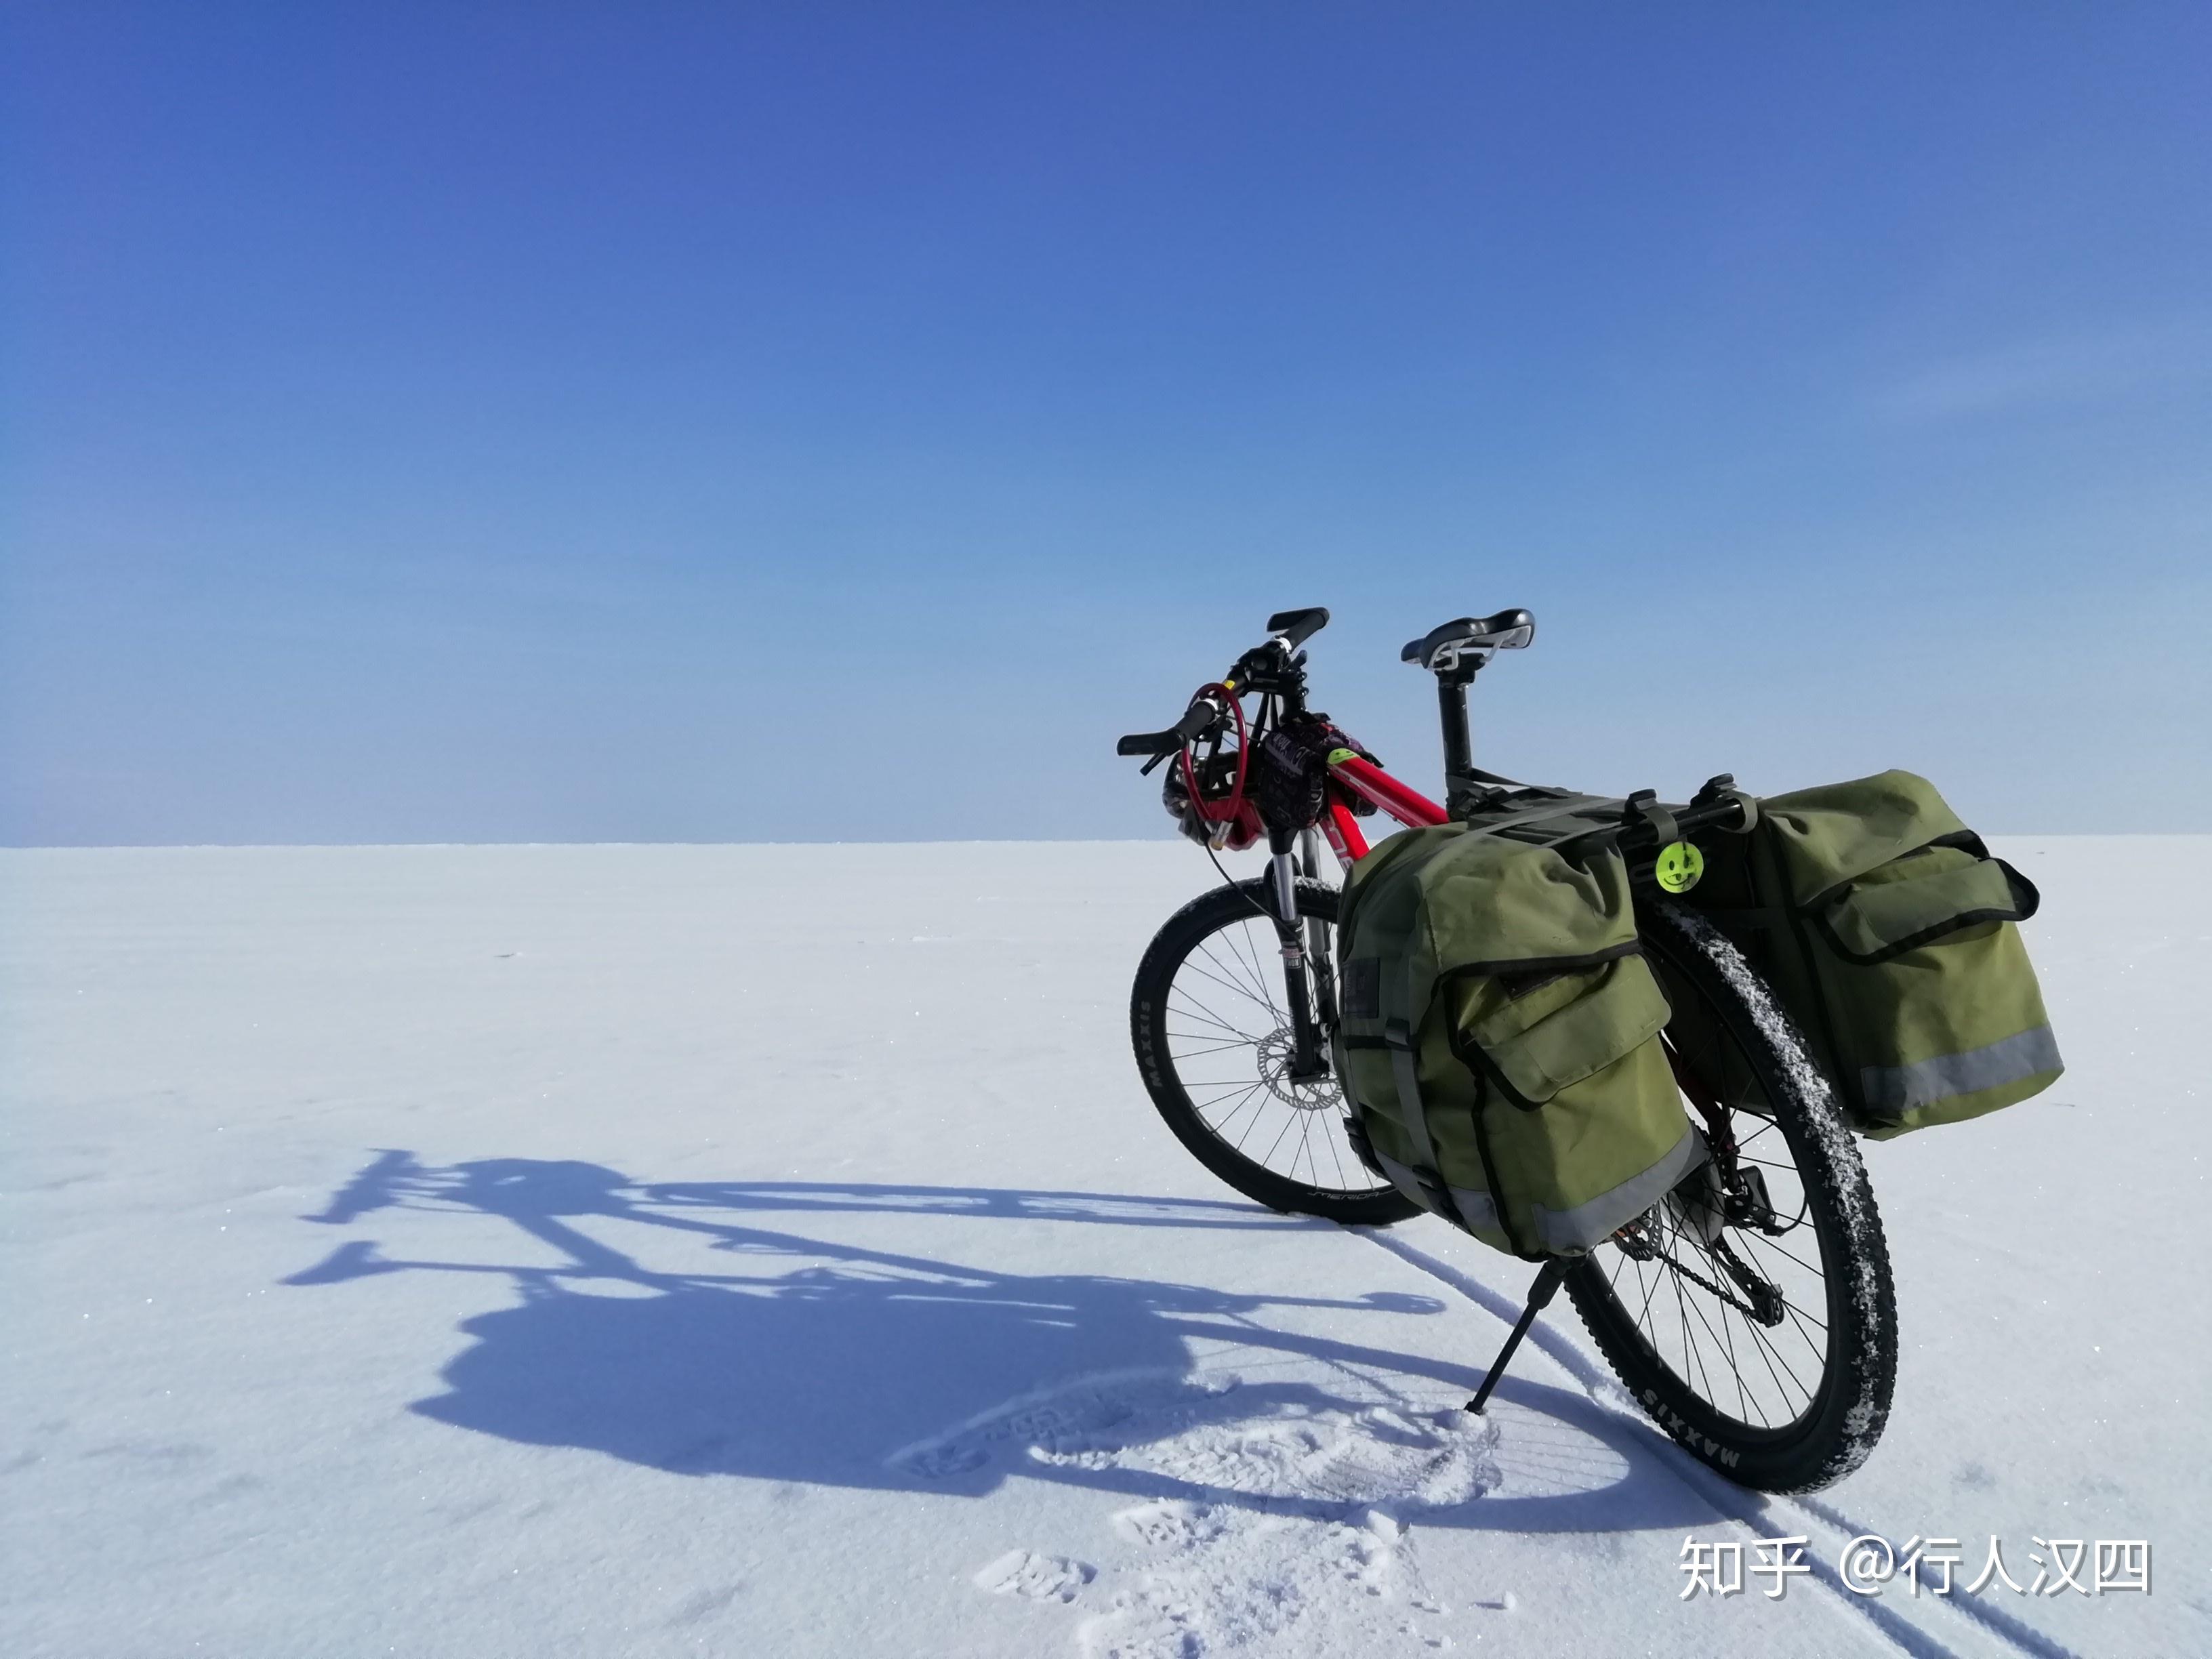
(1761, 1333)
(1212, 1039)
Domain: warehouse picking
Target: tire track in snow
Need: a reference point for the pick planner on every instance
(2017, 1633)
(1817, 1518)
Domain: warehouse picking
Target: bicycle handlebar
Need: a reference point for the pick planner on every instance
(1276, 667)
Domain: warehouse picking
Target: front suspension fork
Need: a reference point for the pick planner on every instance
(1309, 972)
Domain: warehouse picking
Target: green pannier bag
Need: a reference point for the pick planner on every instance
(1498, 1037)
(1887, 931)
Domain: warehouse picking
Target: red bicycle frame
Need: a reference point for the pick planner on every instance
(1351, 777)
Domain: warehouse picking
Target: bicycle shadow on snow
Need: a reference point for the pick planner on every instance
(877, 1369)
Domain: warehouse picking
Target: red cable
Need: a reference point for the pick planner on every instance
(1236, 800)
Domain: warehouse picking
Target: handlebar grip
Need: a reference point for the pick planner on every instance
(1146, 742)
(1197, 720)
(1296, 627)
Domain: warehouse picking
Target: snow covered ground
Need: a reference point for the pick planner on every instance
(769, 1251)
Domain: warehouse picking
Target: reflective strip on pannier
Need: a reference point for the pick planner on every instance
(1577, 1231)
(1893, 1091)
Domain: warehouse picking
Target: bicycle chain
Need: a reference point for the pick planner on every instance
(1652, 1253)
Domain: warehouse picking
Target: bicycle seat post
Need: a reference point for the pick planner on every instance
(1451, 713)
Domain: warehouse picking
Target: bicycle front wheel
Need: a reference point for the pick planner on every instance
(1759, 1326)
(1212, 1035)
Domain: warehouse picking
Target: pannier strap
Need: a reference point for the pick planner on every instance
(1560, 806)
(1646, 807)
(1476, 1209)
(1872, 924)
(1400, 1039)
(1398, 1035)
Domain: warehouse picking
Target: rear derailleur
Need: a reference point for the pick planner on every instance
(1704, 1205)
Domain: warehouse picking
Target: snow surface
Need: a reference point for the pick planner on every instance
(769, 1251)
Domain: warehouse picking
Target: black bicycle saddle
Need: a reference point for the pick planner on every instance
(1442, 647)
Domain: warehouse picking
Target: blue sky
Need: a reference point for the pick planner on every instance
(672, 422)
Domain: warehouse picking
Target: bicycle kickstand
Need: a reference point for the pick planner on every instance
(1539, 1294)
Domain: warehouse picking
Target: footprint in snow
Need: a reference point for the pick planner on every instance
(1298, 1512)
(1172, 1524)
(1035, 1577)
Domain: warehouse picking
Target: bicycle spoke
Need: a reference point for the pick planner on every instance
(1697, 1307)
(1229, 985)
(1765, 1243)
(1217, 1047)
(1239, 966)
(1260, 976)
(1240, 1090)
(1192, 1011)
(1237, 1100)
(1728, 1330)
(1276, 1143)
(1800, 1318)
(1689, 1338)
(1731, 1315)
(1642, 1317)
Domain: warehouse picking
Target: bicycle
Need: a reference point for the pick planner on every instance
(1773, 1368)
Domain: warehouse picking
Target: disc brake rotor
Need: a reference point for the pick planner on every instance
(1276, 1050)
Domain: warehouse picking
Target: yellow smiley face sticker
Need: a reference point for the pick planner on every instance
(1680, 865)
